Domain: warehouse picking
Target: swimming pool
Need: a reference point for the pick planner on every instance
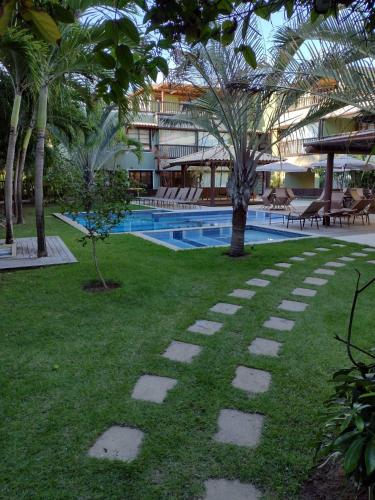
(152, 220)
(213, 237)
(193, 228)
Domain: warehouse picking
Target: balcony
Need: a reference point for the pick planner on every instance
(305, 102)
(172, 151)
(293, 147)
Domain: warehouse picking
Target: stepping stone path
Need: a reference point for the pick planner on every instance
(292, 305)
(153, 388)
(338, 245)
(240, 428)
(359, 254)
(368, 249)
(181, 351)
(346, 259)
(272, 272)
(223, 489)
(334, 264)
(371, 261)
(297, 259)
(117, 443)
(258, 282)
(283, 264)
(304, 292)
(322, 249)
(315, 281)
(265, 347)
(309, 254)
(223, 308)
(281, 324)
(251, 380)
(328, 272)
(205, 327)
(242, 294)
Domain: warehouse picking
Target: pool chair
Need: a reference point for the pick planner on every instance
(358, 209)
(149, 199)
(181, 196)
(170, 196)
(310, 213)
(267, 198)
(281, 200)
(370, 210)
(356, 194)
(197, 196)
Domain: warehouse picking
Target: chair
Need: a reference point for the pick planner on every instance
(337, 200)
(159, 194)
(356, 194)
(310, 213)
(196, 197)
(281, 200)
(358, 209)
(181, 196)
(370, 210)
(266, 197)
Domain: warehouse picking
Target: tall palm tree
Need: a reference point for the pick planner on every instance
(242, 103)
(19, 54)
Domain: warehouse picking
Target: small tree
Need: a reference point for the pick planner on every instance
(103, 203)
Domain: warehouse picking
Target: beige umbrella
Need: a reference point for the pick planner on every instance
(282, 166)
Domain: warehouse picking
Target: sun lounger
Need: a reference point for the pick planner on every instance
(358, 209)
(310, 213)
(196, 197)
(267, 198)
(281, 200)
(150, 199)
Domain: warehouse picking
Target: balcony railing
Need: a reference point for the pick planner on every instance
(163, 107)
(305, 102)
(293, 147)
(171, 151)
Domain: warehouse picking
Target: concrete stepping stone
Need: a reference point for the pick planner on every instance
(251, 380)
(281, 324)
(359, 254)
(181, 351)
(153, 388)
(334, 264)
(371, 261)
(322, 249)
(223, 489)
(258, 282)
(328, 272)
(315, 281)
(223, 308)
(338, 245)
(240, 428)
(346, 259)
(272, 272)
(117, 443)
(283, 264)
(205, 327)
(264, 347)
(297, 259)
(240, 293)
(368, 249)
(292, 305)
(304, 292)
(309, 254)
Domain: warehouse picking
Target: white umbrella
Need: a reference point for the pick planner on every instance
(281, 166)
(342, 163)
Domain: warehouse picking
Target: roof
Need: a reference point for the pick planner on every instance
(217, 154)
(353, 142)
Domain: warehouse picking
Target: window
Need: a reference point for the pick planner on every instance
(205, 139)
(142, 135)
(180, 137)
(141, 177)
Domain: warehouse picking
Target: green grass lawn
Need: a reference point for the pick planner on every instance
(69, 361)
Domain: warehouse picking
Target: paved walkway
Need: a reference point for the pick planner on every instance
(234, 427)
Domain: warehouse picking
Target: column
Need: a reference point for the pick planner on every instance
(212, 186)
(328, 184)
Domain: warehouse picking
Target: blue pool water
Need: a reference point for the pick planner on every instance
(196, 229)
(151, 220)
(212, 237)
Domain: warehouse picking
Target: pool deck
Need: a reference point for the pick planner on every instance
(26, 254)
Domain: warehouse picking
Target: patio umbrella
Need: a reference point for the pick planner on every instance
(282, 166)
(342, 163)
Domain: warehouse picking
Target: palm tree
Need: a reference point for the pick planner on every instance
(19, 53)
(242, 103)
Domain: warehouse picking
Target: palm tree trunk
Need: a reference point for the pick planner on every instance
(15, 182)
(41, 122)
(8, 188)
(237, 244)
(21, 169)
